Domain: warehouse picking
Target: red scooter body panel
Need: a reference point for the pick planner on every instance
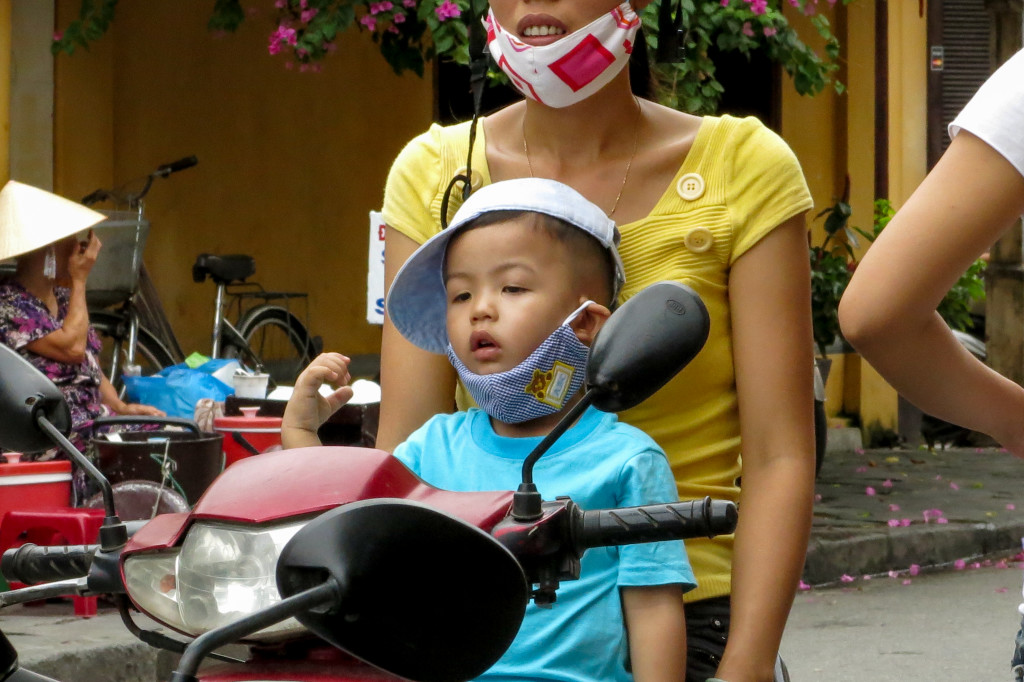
(295, 483)
(320, 665)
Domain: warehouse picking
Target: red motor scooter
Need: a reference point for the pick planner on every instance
(336, 564)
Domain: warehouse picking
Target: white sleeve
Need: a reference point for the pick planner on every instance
(996, 112)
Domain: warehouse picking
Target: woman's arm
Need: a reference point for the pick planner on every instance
(68, 344)
(110, 398)
(657, 632)
(769, 292)
(415, 384)
(965, 203)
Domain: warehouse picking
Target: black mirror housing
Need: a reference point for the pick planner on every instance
(644, 344)
(25, 393)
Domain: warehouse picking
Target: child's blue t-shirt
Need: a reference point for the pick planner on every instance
(600, 463)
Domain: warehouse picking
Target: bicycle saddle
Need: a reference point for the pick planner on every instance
(223, 269)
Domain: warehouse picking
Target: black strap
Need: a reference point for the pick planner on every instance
(671, 38)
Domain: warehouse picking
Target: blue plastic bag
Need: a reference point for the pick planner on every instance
(177, 389)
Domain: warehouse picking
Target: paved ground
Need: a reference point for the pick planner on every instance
(879, 511)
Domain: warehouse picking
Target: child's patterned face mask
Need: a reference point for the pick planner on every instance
(573, 67)
(539, 385)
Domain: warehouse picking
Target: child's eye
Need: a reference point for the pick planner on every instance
(513, 289)
(460, 297)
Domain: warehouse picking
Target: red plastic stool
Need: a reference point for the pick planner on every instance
(53, 526)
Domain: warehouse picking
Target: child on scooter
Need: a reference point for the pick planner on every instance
(514, 291)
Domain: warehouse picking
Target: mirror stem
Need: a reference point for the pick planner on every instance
(526, 502)
(327, 593)
(116, 535)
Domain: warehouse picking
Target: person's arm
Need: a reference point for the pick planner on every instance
(769, 292)
(110, 398)
(966, 202)
(68, 344)
(307, 409)
(415, 384)
(657, 632)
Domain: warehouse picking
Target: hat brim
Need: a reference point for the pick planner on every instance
(416, 302)
(31, 218)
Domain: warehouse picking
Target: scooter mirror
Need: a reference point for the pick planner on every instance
(25, 393)
(424, 595)
(644, 344)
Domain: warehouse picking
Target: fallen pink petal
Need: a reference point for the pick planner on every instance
(893, 523)
(846, 578)
(887, 483)
(942, 520)
(914, 569)
(954, 486)
(860, 470)
(1001, 590)
(894, 574)
(1011, 507)
(905, 522)
(869, 491)
(804, 586)
(894, 507)
(959, 564)
(907, 581)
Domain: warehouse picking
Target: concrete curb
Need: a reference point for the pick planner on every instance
(880, 551)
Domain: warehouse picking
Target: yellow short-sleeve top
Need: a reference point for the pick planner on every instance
(738, 182)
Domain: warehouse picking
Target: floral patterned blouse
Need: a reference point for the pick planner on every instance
(25, 319)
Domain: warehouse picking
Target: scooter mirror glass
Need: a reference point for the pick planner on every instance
(424, 595)
(25, 392)
(645, 343)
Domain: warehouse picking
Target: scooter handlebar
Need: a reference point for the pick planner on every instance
(655, 523)
(31, 563)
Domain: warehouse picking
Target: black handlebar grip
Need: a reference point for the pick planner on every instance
(175, 166)
(34, 564)
(655, 523)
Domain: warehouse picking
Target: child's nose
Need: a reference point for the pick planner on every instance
(483, 308)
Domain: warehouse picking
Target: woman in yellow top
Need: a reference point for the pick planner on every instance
(716, 203)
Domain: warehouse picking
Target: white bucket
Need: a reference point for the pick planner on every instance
(250, 385)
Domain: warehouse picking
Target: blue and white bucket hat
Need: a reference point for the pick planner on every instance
(417, 303)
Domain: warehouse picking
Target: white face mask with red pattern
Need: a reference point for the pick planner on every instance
(573, 67)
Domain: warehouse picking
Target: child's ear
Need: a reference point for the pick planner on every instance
(589, 322)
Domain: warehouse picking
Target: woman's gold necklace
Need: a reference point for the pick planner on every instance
(629, 164)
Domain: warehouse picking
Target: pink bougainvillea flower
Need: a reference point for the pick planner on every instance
(280, 4)
(893, 523)
(725, 3)
(769, 31)
(748, 30)
(409, 3)
(914, 569)
(804, 586)
(894, 574)
(399, 18)
(846, 578)
(887, 483)
(959, 564)
(758, 7)
(1011, 507)
(392, 29)
(300, 53)
(941, 520)
(307, 15)
(976, 564)
(1002, 564)
(58, 36)
(954, 486)
(369, 21)
(447, 10)
(938, 477)
(894, 507)
(869, 491)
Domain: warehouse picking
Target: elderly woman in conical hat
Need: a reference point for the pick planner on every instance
(43, 313)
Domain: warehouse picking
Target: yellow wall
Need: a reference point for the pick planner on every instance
(908, 99)
(5, 89)
(289, 163)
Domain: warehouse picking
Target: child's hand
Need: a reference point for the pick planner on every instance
(307, 410)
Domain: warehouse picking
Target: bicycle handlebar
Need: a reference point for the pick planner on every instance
(132, 199)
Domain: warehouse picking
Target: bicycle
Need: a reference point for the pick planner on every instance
(270, 337)
(119, 293)
(265, 337)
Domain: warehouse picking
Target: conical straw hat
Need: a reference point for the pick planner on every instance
(31, 218)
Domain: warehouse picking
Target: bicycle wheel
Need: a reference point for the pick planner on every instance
(150, 353)
(279, 339)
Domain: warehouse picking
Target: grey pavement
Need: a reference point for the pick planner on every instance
(948, 508)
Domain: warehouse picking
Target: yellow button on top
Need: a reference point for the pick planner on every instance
(476, 181)
(690, 186)
(699, 239)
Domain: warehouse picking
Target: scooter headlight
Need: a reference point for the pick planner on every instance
(221, 573)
